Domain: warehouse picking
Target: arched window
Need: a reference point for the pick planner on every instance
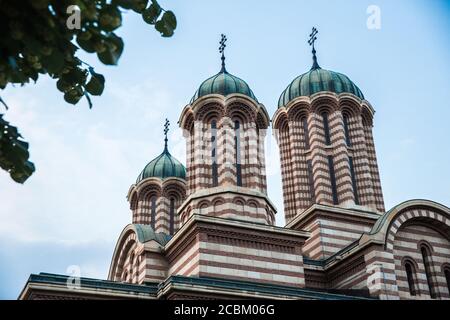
(153, 212)
(311, 181)
(353, 176)
(172, 216)
(346, 130)
(333, 180)
(215, 179)
(426, 256)
(237, 150)
(447, 277)
(410, 275)
(131, 267)
(326, 128)
(306, 132)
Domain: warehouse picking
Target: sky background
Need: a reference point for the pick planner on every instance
(72, 210)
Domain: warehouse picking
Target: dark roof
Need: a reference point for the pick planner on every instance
(318, 80)
(223, 83)
(146, 233)
(152, 288)
(163, 166)
(149, 288)
(307, 293)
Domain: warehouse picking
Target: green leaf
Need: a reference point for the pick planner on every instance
(139, 5)
(110, 18)
(151, 14)
(85, 44)
(170, 20)
(167, 24)
(14, 153)
(126, 4)
(54, 63)
(96, 84)
(71, 97)
(63, 85)
(112, 54)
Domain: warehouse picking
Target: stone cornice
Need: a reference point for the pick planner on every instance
(348, 212)
(227, 189)
(197, 221)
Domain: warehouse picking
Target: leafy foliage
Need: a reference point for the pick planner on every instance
(14, 153)
(36, 40)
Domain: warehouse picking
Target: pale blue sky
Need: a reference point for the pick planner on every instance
(73, 208)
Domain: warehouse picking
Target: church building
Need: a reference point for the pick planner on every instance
(206, 230)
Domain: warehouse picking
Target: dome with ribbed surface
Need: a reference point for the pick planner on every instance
(163, 166)
(318, 80)
(223, 83)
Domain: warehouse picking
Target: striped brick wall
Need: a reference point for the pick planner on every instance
(253, 122)
(340, 155)
(163, 191)
(360, 156)
(297, 149)
(229, 203)
(407, 243)
(332, 230)
(373, 165)
(237, 250)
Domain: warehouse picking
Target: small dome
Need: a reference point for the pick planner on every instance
(318, 80)
(223, 83)
(164, 166)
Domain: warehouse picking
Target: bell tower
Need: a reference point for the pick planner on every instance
(323, 126)
(225, 126)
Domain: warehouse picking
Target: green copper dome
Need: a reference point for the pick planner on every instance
(318, 80)
(223, 83)
(164, 166)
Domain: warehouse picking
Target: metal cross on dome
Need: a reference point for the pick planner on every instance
(166, 129)
(312, 37)
(222, 42)
(311, 41)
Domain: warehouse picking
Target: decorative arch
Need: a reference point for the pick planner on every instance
(134, 200)
(324, 102)
(299, 110)
(209, 111)
(127, 240)
(241, 111)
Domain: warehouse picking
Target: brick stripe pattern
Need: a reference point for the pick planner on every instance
(294, 141)
(211, 148)
(409, 231)
(235, 255)
(136, 264)
(141, 195)
(331, 232)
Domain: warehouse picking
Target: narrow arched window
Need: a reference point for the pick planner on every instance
(333, 180)
(172, 216)
(346, 131)
(311, 181)
(326, 128)
(427, 263)
(353, 176)
(215, 179)
(306, 132)
(131, 267)
(447, 278)
(153, 212)
(237, 151)
(409, 268)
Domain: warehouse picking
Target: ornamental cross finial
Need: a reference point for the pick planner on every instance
(166, 129)
(222, 42)
(311, 41)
